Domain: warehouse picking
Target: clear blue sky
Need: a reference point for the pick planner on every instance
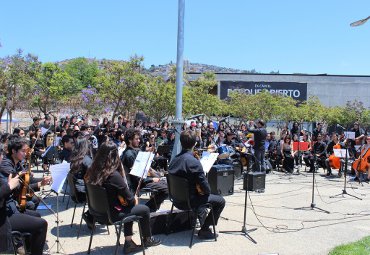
(290, 36)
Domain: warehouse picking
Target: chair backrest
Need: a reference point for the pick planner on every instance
(178, 188)
(97, 201)
(72, 187)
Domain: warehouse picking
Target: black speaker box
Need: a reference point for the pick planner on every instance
(255, 180)
(221, 180)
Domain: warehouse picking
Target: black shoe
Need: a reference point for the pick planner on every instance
(151, 241)
(131, 246)
(339, 174)
(356, 179)
(206, 234)
(328, 174)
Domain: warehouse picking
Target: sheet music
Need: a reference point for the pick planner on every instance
(44, 130)
(350, 135)
(59, 174)
(341, 153)
(207, 160)
(142, 164)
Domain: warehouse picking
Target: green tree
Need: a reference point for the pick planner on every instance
(121, 85)
(83, 70)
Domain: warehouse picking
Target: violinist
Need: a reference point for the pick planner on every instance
(187, 166)
(106, 170)
(28, 221)
(132, 139)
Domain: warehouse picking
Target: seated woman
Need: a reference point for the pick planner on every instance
(81, 160)
(107, 171)
(288, 156)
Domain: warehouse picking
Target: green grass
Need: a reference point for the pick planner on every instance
(361, 247)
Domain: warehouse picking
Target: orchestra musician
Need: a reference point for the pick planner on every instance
(333, 144)
(363, 161)
(132, 139)
(318, 152)
(186, 165)
(28, 221)
(260, 134)
(106, 170)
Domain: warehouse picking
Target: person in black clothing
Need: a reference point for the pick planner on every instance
(318, 153)
(68, 143)
(106, 170)
(34, 126)
(229, 141)
(29, 221)
(295, 130)
(260, 135)
(317, 131)
(273, 150)
(132, 139)
(187, 166)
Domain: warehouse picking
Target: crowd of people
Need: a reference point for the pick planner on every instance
(103, 154)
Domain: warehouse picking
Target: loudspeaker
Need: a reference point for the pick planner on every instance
(255, 181)
(180, 221)
(221, 180)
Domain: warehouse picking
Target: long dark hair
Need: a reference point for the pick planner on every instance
(106, 161)
(80, 150)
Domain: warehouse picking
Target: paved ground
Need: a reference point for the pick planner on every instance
(282, 228)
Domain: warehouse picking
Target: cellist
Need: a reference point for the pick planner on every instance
(362, 164)
(28, 221)
(332, 161)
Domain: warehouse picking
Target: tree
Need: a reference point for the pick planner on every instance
(84, 72)
(121, 85)
(54, 87)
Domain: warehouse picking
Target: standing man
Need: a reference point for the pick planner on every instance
(35, 125)
(187, 166)
(260, 135)
(132, 139)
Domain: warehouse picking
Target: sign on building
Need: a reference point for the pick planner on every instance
(296, 90)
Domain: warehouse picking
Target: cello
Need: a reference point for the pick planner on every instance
(362, 163)
(333, 160)
(25, 192)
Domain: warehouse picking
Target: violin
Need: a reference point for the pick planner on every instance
(197, 186)
(26, 177)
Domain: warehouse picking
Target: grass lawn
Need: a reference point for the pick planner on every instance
(361, 247)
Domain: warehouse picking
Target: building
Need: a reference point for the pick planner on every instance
(332, 90)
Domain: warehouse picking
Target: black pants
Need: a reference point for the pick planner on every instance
(158, 196)
(218, 204)
(138, 210)
(31, 222)
(260, 159)
(320, 161)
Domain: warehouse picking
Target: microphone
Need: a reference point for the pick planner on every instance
(340, 126)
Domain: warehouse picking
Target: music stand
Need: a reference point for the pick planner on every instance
(344, 191)
(313, 205)
(300, 146)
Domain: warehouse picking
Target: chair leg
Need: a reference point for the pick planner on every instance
(213, 224)
(194, 223)
(65, 191)
(141, 236)
(108, 230)
(69, 198)
(169, 221)
(118, 233)
(73, 216)
(79, 228)
(91, 236)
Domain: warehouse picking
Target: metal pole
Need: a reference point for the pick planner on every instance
(179, 77)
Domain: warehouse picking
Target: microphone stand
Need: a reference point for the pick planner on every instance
(55, 214)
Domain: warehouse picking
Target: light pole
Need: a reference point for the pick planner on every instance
(359, 22)
(179, 77)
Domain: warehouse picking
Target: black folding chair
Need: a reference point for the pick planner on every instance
(97, 200)
(73, 193)
(178, 188)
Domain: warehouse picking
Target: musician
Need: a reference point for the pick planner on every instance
(364, 152)
(317, 131)
(287, 154)
(260, 135)
(46, 124)
(359, 136)
(295, 129)
(106, 170)
(273, 150)
(34, 126)
(318, 152)
(29, 221)
(330, 150)
(229, 141)
(186, 165)
(132, 139)
(68, 143)
(18, 131)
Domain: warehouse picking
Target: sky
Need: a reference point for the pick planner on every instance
(312, 37)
